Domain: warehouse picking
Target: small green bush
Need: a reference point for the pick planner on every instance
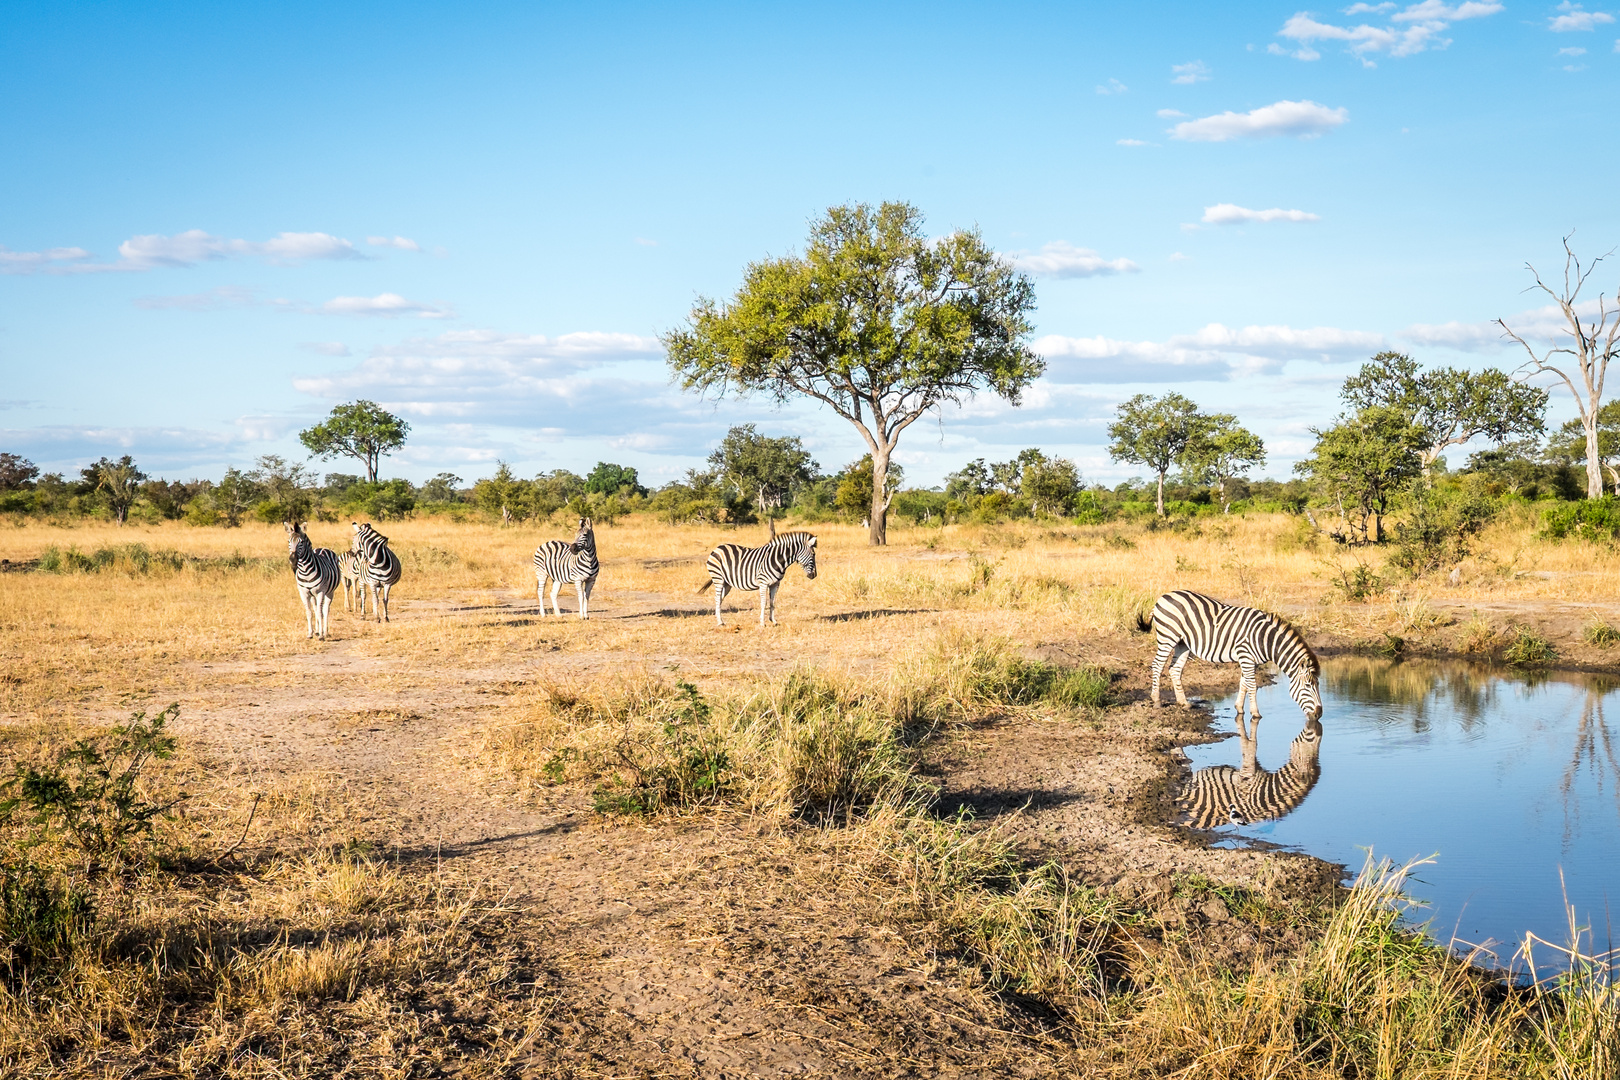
(689, 766)
(42, 919)
(1599, 632)
(1588, 519)
(1359, 582)
(1439, 525)
(1528, 648)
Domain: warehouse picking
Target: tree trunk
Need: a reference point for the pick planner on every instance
(877, 524)
(1161, 495)
(1594, 460)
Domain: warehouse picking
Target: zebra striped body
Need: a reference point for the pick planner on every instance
(380, 569)
(563, 563)
(354, 582)
(1191, 624)
(732, 566)
(1222, 795)
(316, 573)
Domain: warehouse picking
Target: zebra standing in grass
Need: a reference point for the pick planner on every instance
(1191, 624)
(354, 581)
(732, 566)
(315, 570)
(380, 568)
(1222, 795)
(563, 562)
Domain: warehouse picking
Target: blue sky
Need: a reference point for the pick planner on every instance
(218, 222)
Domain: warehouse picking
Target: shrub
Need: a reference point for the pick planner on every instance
(1599, 632)
(686, 764)
(1528, 648)
(1588, 519)
(90, 796)
(1359, 582)
(1439, 525)
(42, 919)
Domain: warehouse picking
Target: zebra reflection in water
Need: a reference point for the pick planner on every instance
(1222, 795)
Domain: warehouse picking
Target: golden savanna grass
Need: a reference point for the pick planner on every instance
(272, 960)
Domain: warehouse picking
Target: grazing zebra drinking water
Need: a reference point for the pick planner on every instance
(315, 570)
(380, 568)
(732, 566)
(1191, 624)
(1222, 795)
(563, 562)
(354, 581)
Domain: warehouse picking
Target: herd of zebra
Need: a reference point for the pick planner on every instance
(369, 566)
(1187, 624)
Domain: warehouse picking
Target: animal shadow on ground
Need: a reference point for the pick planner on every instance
(875, 613)
(986, 803)
(427, 853)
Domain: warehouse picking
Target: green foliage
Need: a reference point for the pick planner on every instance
(1358, 582)
(1601, 633)
(1591, 519)
(90, 796)
(878, 320)
(768, 471)
(1361, 462)
(1220, 452)
(699, 499)
(691, 766)
(854, 498)
(1440, 523)
(1050, 485)
(1527, 647)
(610, 479)
(17, 473)
(388, 501)
(441, 489)
(1155, 432)
(129, 558)
(43, 918)
(921, 507)
(362, 430)
(117, 482)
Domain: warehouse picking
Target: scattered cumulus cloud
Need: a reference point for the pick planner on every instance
(1170, 114)
(29, 262)
(400, 242)
(1176, 256)
(1576, 18)
(1214, 353)
(1132, 142)
(1573, 50)
(195, 246)
(1186, 74)
(1113, 86)
(1544, 325)
(1063, 260)
(1305, 119)
(386, 304)
(1411, 30)
(1232, 214)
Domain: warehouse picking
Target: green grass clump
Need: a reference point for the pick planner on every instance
(1601, 633)
(1528, 648)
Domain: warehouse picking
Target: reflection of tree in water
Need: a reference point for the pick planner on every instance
(1595, 751)
(1223, 795)
(1457, 689)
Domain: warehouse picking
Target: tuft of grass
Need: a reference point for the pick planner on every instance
(1601, 633)
(1527, 647)
(1479, 637)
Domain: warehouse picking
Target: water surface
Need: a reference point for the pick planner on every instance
(1510, 778)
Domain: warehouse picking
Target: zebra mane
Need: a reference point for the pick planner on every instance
(794, 540)
(1312, 661)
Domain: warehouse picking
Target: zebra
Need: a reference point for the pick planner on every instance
(563, 562)
(732, 566)
(315, 571)
(380, 568)
(1191, 624)
(1222, 795)
(354, 583)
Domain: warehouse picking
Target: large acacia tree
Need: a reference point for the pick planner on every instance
(362, 430)
(1156, 432)
(875, 320)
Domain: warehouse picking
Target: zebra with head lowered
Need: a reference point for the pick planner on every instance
(732, 566)
(315, 571)
(563, 562)
(380, 569)
(354, 581)
(1192, 624)
(1222, 795)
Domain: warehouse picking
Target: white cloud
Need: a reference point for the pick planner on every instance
(1232, 214)
(28, 262)
(1544, 325)
(1176, 256)
(1416, 28)
(1114, 86)
(1170, 114)
(216, 299)
(644, 242)
(1573, 50)
(1132, 142)
(1305, 119)
(195, 246)
(1063, 260)
(1575, 18)
(325, 348)
(1214, 353)
(1186, 74)
(387, 304)
(401, 242)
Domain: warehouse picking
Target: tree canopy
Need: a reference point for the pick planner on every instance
(877, 320)
(119, 482)
(1452, 406)
(1155, 432)
(1221, 451)
(1362, 461)
(762, 469)
(610, 479)
(362, 430)
(17, 473)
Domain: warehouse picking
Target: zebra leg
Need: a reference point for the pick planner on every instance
(1160, 659)
(556, 587)
(309, 623)
(1253, 689)
(1183, 654)
(323, 604)
(579, 599)
(720, 590)
(764, 597)
(584, 605)
(778, 585)
(540, 591)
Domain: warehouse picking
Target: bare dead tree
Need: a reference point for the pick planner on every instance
(1592, 346)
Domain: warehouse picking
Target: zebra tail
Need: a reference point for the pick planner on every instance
(1143, 623)
(704, 587)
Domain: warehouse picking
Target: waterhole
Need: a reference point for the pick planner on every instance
(1511, 780)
